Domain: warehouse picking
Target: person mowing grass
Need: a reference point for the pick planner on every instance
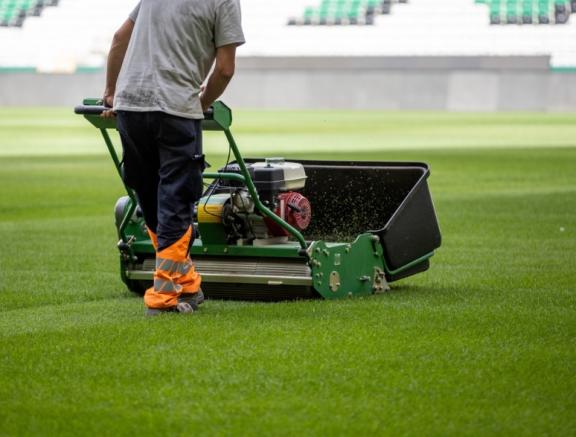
(158, 61)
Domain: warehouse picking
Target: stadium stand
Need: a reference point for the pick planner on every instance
(14, 12)
(73, 35)
(340, 12)
(77, 33)
(529, 11)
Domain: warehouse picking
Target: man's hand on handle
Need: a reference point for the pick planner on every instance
(108, 103)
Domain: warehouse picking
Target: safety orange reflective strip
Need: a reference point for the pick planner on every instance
(164, 286)
(165, 264)
(171, 266)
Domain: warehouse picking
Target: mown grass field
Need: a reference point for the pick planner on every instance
(482, 344)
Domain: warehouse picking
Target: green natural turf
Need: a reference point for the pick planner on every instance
(482, 344)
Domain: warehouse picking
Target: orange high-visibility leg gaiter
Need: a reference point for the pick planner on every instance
(153, 238)
(174, 275)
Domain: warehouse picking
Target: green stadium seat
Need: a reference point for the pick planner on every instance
(527, 12)
(511, 11)
(561, 11)
(543, 12)
(494, 12)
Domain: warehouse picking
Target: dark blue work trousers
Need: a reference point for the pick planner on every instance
(163, 164)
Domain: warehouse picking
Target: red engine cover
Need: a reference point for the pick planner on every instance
(295, 209)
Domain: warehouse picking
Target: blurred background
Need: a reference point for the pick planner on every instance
(456, 55)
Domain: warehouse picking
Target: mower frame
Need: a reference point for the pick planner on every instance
(313, 268)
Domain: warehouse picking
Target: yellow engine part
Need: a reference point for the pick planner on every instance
(210, 208)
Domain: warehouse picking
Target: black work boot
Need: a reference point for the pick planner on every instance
(182, 307)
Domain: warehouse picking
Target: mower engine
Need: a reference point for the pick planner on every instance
(230, 204)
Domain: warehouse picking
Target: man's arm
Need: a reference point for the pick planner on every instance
(221, 75)
(115, 59)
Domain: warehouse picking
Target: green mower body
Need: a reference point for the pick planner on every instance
(336, 229)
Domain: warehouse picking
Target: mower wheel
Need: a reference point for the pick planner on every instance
(119, 208)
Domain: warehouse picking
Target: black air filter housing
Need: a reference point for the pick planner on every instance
(267, 178)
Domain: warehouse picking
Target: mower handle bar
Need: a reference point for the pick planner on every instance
(99, 109)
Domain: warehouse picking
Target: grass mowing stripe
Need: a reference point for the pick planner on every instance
(59, 132)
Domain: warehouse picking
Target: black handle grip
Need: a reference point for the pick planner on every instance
(89, 109)
(99, 109)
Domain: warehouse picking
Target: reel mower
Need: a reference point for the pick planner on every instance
(270, 229)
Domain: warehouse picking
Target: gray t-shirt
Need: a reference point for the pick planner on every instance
(171, 51)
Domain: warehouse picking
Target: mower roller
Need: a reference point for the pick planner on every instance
(270, 229)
